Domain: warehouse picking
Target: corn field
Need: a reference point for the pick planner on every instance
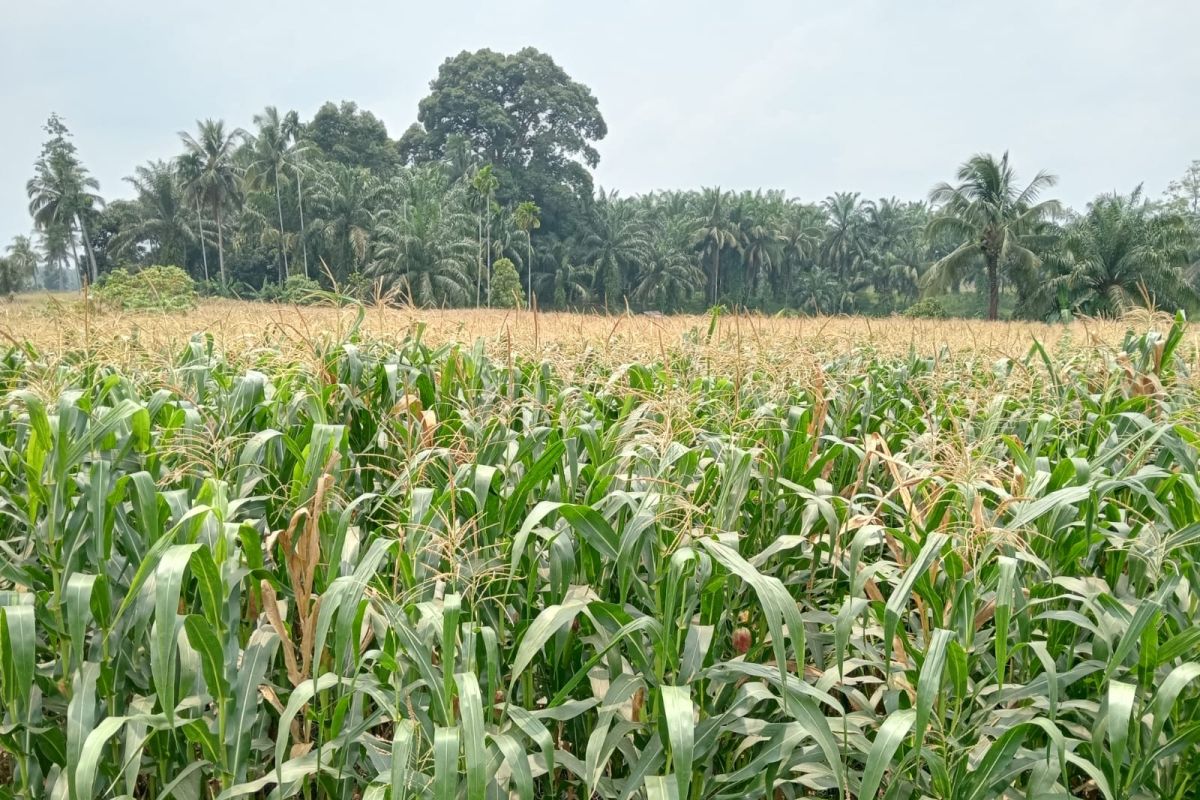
(417, 571)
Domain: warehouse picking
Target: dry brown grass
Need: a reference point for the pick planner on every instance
(55, 324)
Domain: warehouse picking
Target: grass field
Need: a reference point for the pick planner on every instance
(254, 550)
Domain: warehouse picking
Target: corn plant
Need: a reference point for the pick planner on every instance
(404, 571)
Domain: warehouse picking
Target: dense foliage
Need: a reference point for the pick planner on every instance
(387, 572)
(151, 288)
(426, 217)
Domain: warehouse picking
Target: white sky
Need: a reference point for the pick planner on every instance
(881, 97)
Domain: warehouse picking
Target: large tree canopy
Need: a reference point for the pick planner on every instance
(353, 137)
(520, 112)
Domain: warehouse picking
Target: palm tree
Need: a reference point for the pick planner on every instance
(61, 192)
(160, 222)
(21, 261)
(843, 247)
(216, 181)
(293, 130)
(1120, 252)
(344, 201)
(268, 156)
(423, 247)
(994, 220)
(668, 274)
(713, 232)
(615, 243)
(802, 232)
(761, 241)
(485, 184)
(525, 217)
(566, 280)
(187, 174)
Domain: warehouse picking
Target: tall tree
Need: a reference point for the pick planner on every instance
(269, 153)
(293, 129)
(715, 232)
(994, 219)
(354, 138)
(61, 192)
(523, 114)
(216, 181)
(526, 217)
(484, 183)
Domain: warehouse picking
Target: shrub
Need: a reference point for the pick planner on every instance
(506, 285)
(927, 308)
(296, 290)
(149, 289)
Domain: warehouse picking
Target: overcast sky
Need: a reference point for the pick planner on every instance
(880, 97)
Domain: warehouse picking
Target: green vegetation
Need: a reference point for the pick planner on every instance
(498, 166)
(386, 571)
(151, 288)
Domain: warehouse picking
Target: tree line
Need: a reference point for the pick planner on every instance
(488, 199)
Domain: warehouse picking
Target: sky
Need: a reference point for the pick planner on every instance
(884, 98)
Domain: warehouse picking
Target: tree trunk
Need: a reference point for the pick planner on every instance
(489, 250)
(303, 240)
(993, 281)
(79, 271)
(87, 246)
(529, 267)
(221, 247)
(716, 274)
(203, 248)
(279, 208)
(479, 261)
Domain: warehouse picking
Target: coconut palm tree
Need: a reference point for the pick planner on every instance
(802, 231)
(526, 216)
(216, 179)
(268, 158)
(995, 221)
(714, 232)
(21, 263)
(1121, 252)
(61, 192)
(161, 219)
(298, 149)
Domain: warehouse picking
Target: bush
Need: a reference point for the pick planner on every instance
(297, 290)
(927, 308)
(506, 285)
(149, 289)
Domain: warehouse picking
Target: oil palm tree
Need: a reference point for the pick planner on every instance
(668, 275)
(1122, 252)
(526, 216)
(212, 175)
(615, 243)
(714, 232)
(843, 248)
(344, 200)
(995, 221)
